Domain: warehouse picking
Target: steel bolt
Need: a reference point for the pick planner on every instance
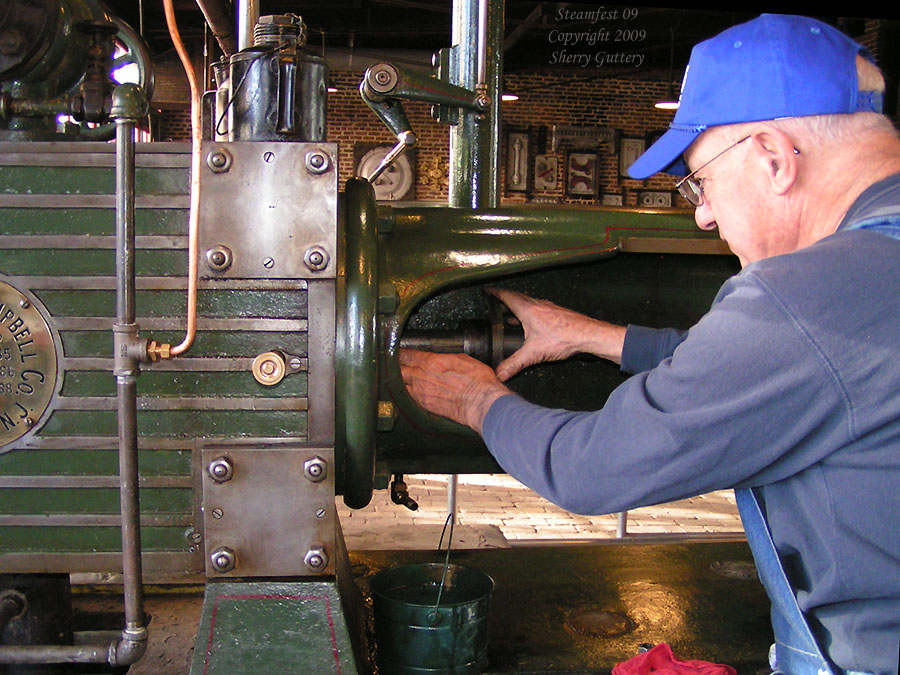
(296, 363)
(317, 162)
(219, 160)
(24, 304)
(320, 513)
(217, 513)
(316, 559)
(223, 559)
(269, 263)
(315, 258)
(268, 157)
(315, 469)
(29, 422)
(221, 469)
(219, 258)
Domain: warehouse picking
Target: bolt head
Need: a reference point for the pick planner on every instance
(316, 559)
(221, 470)
(315, 469)
(317, 162)
(223, 559)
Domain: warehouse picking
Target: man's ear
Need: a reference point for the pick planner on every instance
(777, 156)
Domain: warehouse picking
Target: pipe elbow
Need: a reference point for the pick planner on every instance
(130, 647)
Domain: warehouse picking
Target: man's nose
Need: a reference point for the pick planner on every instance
(704, 218)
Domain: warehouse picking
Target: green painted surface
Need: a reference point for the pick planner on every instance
(274, 627)
(92, 262)
(182, 423)
(89, 180)
(92, 462)
(87, 539)
(186, 383)
(89, 500)
(232, 303)
(92, 221)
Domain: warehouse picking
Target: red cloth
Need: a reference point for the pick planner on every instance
(661, 661)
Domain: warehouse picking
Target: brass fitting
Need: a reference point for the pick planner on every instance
(158, 350)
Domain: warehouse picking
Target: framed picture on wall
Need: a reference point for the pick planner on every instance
(629, 150)
(582, 178)
(517, 161)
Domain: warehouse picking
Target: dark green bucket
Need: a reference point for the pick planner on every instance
(414, 637)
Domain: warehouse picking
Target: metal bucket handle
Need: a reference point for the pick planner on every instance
(434, 617)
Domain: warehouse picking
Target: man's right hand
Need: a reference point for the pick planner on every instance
(553, 333)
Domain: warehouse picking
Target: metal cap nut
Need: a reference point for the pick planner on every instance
(219, 160)
(221, 469)
(316, 559)
(223, 559)
(315, 469)
(317, 162)
(315, 258)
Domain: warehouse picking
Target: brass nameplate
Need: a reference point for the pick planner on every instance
(28, 365)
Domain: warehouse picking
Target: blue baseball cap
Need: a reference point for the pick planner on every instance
(774, 66)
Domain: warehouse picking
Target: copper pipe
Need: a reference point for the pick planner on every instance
(191, 330)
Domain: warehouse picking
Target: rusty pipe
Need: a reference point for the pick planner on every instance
(220, 23)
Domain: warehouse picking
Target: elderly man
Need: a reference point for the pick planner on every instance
(789, 388)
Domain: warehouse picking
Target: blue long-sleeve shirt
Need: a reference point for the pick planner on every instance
(790, 383)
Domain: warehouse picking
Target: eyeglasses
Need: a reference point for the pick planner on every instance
(692, 188)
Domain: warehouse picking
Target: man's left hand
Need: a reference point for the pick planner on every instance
(452, 385)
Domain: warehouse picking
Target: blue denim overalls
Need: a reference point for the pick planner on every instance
(795, 651)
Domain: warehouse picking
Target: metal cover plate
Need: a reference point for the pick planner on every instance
(269, 514)
(28, 365)
(269, 206)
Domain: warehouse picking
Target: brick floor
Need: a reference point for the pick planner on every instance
(525, 517)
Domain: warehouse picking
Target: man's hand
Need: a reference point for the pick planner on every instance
(452, 385)
(553, 333)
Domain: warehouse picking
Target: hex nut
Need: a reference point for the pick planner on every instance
(316, 559)
(221, 470)
(223, 559)
(219, 258)
(317, 162)
(315, 258)
(315, 469)
(219, 160)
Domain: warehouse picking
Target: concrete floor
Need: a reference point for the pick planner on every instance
(494, 511)
(497, 506)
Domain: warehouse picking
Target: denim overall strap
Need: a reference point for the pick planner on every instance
(796, 651)
(887, 224)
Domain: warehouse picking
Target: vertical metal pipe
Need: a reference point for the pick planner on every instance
(126, 376)
(481, 51)
(621, 524)
(474, 142)
(452, 482)
(248, 16)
